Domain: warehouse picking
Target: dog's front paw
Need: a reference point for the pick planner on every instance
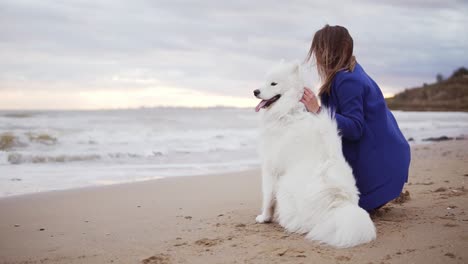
(263, 219)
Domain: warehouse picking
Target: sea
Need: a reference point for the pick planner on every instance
(57, 150)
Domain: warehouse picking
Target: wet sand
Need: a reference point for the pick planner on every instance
(211, 219)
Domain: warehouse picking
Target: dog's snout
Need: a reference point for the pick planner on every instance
(256, 92)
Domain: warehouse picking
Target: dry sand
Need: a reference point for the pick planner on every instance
(210, 219)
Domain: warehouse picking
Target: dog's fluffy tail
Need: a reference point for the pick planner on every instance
(345, 226)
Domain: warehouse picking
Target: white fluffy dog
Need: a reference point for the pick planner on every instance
(308, 186)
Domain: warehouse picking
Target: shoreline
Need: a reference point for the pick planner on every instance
(157, 178)
(211, 219)
(68, 155)
(413, 144)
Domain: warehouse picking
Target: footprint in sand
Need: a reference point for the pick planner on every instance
(451, 192)
(458, 191)
(424, 183)
(157, 259)
(441, 189)
(206, 242)
(403, 198)
(291, 252)
(380, 212)
(343, 258)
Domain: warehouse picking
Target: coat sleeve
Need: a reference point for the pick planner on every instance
(350, 120)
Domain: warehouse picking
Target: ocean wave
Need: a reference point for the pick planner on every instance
(19, 114)
(209, 149)
(9, 141)
(18, 158)
(42, 138)
(120, 155)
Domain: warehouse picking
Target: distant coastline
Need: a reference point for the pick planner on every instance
(449, 94)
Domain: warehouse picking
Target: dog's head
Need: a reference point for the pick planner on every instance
(283, 87)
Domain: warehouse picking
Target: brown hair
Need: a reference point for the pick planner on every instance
(332, 48)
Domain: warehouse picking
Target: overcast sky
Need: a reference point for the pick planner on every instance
(110, 54)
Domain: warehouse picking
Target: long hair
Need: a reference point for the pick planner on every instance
(332, 47)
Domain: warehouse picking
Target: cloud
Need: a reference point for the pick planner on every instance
(216, 47)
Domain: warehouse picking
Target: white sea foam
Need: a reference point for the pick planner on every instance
(67, 149)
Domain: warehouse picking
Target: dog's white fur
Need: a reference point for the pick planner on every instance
(308, 186)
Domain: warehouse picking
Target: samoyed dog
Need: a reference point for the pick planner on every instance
(308, 187)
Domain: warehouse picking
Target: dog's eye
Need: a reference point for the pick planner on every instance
(273, 84)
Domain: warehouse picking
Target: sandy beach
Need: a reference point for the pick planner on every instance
(210, 219)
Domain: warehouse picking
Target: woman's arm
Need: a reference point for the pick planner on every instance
(350, 120)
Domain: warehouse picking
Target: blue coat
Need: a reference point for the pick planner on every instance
(372, 142)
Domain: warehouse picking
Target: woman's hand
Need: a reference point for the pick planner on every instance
(310, 101)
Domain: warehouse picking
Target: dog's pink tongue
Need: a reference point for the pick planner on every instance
(260, 105)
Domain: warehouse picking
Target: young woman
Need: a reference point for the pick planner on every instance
(372, 142)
